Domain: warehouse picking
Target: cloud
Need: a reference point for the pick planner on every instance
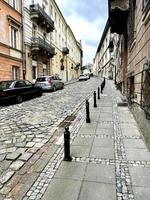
(87, 20)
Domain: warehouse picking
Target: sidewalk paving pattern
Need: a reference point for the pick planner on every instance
(110, 158)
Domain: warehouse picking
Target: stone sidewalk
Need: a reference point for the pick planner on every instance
(110, 158)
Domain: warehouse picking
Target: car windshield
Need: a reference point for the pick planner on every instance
(41, 79)
(5, 84)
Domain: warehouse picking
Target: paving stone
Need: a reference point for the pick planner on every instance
(2, 157)
(97, 191)
(25, 156)
(6, 176)
(30, 144)
(16, 165)
(13, 156)
(63, 189)
(5, 190)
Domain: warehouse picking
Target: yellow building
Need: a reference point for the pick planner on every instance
(68, 59)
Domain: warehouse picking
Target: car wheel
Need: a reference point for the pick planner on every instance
(19, 98)
(54, 88)
(40, 93)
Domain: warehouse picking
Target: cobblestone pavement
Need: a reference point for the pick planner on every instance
(27, 134)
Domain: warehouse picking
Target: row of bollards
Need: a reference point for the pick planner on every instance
(67, 156)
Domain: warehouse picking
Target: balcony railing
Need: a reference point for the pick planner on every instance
(38, 14)
(65, 50)
(40, 45)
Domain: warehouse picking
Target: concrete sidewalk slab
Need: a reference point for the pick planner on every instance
(101, 152)
(97, 191)
(140, 176)
(141, 193)
(99, 173)
(80, 151)
(83, 141)
(134, 144)
(103, 142)
(138, 154)
(62, 189)
(71, 170)
(104, 131)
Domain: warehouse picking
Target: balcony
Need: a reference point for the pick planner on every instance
(77, 66)
(65, 50)
(41, 17)
(118, 10)
(40, 46)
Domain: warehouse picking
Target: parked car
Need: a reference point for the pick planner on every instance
(83, 77)
(18, 90)
(49, 83)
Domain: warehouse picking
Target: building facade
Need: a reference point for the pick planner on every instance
(11, 62)
(50, 46)
(131, 20)
(104, 58)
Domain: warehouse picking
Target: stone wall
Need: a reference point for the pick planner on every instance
(143, 123)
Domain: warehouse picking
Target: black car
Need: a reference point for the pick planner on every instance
(18, 90)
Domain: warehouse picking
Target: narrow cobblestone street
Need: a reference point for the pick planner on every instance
(26, 127)
(110, 158)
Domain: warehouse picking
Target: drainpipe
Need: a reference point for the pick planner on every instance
(23, 40)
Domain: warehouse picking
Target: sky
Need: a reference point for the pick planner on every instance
(87, 19)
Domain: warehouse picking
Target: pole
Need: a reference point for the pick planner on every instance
(87, 112)
(95, 105)
(67, 156)
(98, 91)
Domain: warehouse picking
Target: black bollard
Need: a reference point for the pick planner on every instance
(67, 156)
(102, 87)
(87, 112)
(95, 105)
(98, 91)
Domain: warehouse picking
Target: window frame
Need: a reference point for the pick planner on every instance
(14, 37)
(15, 72)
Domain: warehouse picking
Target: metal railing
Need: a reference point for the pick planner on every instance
(37, 42)
(139, 86)
(36, 8)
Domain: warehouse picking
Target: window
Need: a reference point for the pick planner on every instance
(146, 9)
(13, 3)
(34, 30)
(34, 72)
(55, 17)
(14, 37)
(131, 22)
(20, 84)
(15, 72)
(44, 69)
(51, 10)
(28, 83)
(145, 4)
(55, 36)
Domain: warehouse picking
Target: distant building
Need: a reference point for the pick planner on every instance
(11, 62)
(104, 58)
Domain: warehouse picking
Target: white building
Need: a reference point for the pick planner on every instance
(104, 58)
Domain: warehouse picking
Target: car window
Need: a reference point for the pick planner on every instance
(28, 83)
(53, 78)
(41, 79)
(20, 84)
(5, 84)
